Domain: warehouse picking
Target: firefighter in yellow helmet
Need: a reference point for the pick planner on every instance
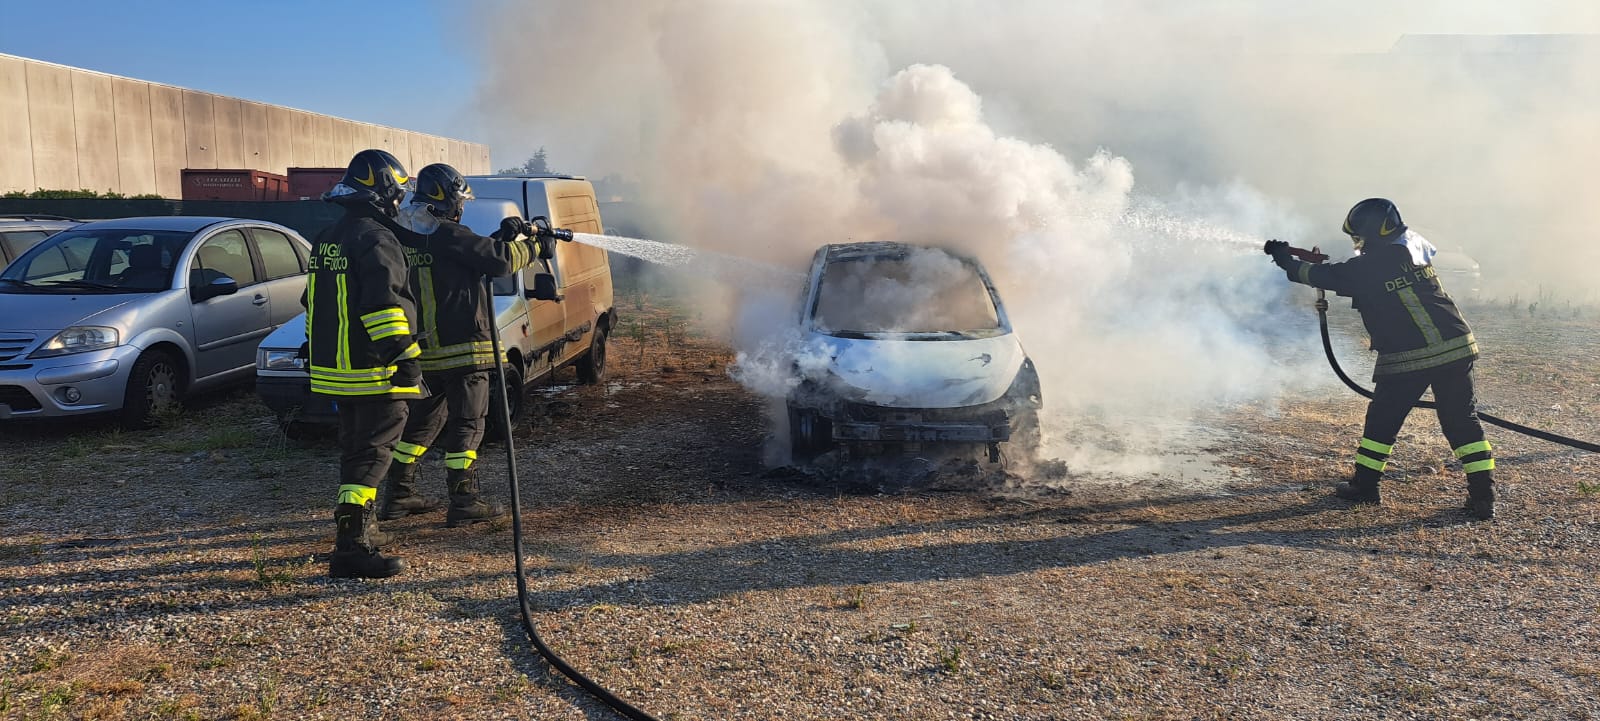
(360, 318)
(448, 263)
(1422, 341)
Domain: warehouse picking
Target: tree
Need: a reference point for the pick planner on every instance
(536, 165)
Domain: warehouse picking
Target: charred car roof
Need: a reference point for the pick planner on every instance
(879, 249)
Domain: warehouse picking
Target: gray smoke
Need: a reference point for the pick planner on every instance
(1116, 165)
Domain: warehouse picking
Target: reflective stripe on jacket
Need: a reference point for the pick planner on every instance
(447, 271)
(1413, 322)
(359, 310)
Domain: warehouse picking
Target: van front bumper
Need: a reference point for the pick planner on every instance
(291, 399)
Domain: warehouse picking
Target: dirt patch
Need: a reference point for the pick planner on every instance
(179, 573)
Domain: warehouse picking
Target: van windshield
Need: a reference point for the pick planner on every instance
(101, 260)
(926, 294)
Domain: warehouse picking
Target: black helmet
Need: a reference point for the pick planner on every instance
(375, 177)
(1373, 220)
(443, 189)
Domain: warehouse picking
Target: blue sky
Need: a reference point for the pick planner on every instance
(402, 63)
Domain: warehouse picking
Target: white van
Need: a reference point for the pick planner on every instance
(547, 321)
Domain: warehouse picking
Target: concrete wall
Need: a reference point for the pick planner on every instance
(64, 128)
(16, 133)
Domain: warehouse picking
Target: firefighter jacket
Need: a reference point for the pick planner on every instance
(358, 309)
(453, 307)
(1413, 323)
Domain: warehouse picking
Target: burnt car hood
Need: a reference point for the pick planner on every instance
(924, 373)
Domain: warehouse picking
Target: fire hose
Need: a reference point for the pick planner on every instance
(1314, 256)
(542, 229)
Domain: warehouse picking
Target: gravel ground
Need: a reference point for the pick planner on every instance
(180, 573)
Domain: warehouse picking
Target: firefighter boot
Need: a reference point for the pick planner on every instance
(466, 503)
(1480, 495)
(355, 555)
(400, 497)
(1362, 488)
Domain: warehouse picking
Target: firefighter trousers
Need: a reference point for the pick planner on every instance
(454, 416)
(1393, 398)
(368, 430)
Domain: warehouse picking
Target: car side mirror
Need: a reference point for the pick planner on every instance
(544, 287)
(220, 286)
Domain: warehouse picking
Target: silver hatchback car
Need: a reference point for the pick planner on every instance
(130, 315)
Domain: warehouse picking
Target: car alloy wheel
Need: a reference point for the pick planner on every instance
(161, 388)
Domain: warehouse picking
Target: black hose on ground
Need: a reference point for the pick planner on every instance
(1327, 347)
(594, 689)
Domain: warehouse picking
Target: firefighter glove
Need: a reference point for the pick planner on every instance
(513, 227)
(1279, 251)
(407, 373)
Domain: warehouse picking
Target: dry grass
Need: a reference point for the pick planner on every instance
(176, 574)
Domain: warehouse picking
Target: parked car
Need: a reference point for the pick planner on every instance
(131, 315)
(549, 319)
(915, 350)
(18, 233)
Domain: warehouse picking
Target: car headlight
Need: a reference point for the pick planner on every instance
(79, 339)
(1025, 387)
(270, 359)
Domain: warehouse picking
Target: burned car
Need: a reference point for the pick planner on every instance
(909, 350)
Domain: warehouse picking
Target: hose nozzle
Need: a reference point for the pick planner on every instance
(542, 229)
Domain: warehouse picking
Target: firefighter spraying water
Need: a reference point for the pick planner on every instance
(1421, 338)
(1422, 341)
(447, 262)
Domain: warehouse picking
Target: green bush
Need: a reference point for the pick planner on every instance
(43, 194)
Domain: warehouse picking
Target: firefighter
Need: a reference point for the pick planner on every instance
(1421, 339)
(448, 263)
(359, 314)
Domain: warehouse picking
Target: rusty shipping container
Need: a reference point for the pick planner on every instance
(234, 184)
(311, 183)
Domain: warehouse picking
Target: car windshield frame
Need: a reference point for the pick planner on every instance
(1001, 327)
(101, 266)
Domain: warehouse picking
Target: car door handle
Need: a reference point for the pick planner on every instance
(259, 300)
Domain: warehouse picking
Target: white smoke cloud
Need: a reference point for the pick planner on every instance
(1015, 134)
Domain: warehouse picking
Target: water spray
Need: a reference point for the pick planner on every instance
(731, 270)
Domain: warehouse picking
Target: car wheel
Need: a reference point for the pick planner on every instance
(810, 435)
(592, 366)
(495, 429)
(155, 390)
